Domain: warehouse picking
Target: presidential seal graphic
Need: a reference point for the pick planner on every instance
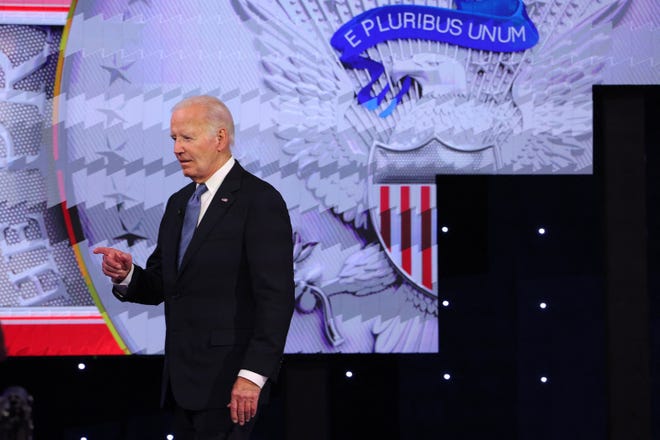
(350, 109)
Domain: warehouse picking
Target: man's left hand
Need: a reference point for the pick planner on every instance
(244, 400)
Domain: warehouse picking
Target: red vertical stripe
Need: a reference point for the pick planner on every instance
(427, 256)
(406, 230)
(385, 220)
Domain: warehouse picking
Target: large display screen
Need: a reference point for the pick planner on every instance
(349, 108)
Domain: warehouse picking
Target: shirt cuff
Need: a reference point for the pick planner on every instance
(126, 281)
(253, 377)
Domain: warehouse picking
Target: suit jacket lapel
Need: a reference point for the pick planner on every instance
(219, 206)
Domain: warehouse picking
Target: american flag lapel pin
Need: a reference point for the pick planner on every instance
(224, 199)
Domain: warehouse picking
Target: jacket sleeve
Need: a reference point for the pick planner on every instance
(146, 286)
(269, 252)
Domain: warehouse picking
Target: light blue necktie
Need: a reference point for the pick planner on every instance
(190, 220)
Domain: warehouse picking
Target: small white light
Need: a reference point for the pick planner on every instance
(169, 437)
(446, 376)
(81, 367)
(543, 305)
(445, 303)
(444, 229)
(349, 373)
(544, 379)
(541, 231)
(83, 438)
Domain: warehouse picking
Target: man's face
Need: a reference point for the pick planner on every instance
(199, 150)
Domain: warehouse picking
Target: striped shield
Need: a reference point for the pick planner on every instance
(405, 218)
(402, 205)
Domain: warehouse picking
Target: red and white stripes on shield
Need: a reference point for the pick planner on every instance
(408, 230)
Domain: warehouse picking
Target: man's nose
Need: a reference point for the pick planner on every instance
(178, 148)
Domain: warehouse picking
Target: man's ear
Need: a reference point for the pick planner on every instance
(221, 136)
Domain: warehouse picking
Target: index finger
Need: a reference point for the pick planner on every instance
(103, 250)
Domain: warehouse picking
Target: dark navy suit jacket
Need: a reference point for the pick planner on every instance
(230, 304)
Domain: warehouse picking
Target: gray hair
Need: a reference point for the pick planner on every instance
(217, 113)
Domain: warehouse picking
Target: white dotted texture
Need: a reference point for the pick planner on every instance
(37, 264)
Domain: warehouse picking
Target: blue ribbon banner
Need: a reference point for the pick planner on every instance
(497, 25)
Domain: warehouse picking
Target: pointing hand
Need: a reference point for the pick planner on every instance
(116, 264)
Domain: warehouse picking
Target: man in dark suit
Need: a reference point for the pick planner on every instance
(223, 267)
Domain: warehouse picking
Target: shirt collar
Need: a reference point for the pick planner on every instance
(216, 179)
